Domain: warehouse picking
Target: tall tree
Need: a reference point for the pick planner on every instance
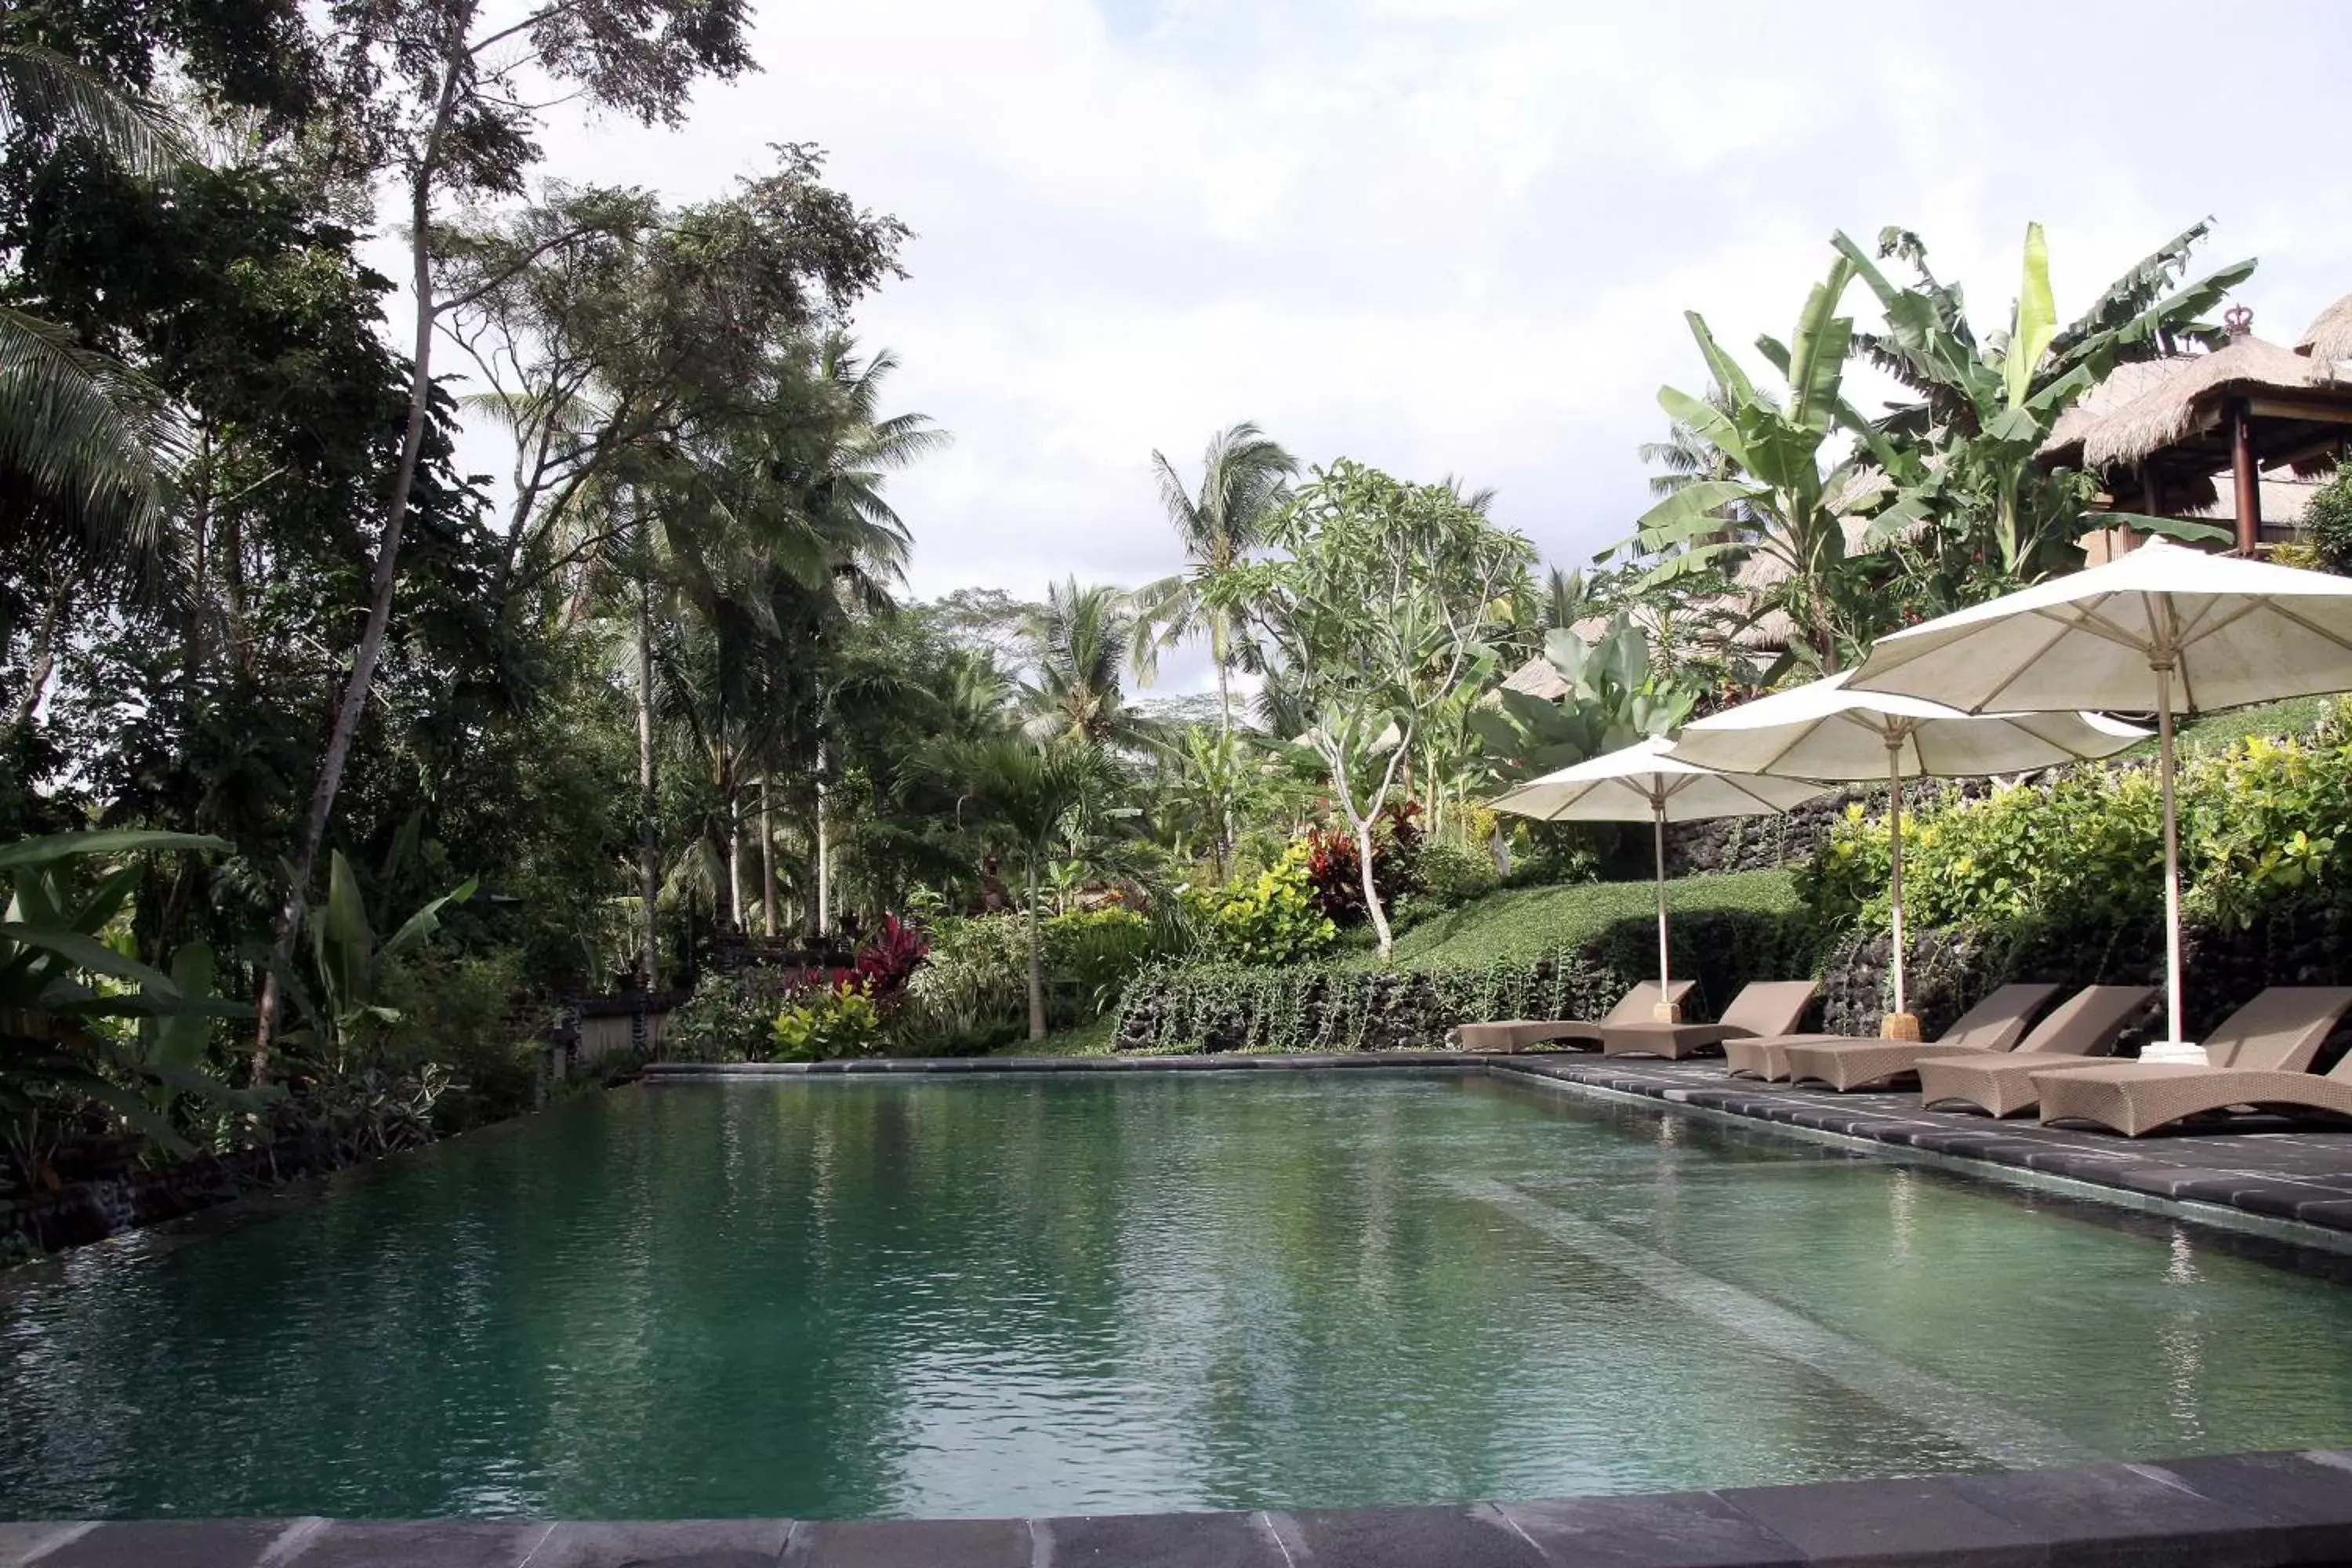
(1029, 794)
(1384, 603)
(86, 442)
(447, 102)
(1243, 475)
(1078, 645)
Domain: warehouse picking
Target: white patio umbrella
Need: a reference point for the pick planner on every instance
(1645, 783)
(1825, 730)
(2163, 627)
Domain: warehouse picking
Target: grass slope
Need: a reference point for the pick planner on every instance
(1523, 924)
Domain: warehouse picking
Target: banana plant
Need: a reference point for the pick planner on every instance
(339, 996)
(1780, 502)
(1967, 449)
(82, 1022)
(1615, 696)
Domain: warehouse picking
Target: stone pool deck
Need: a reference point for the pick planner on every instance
(2269, 1170)
(2246, 1510)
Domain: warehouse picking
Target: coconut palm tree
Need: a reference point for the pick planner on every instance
(85, 442)
(1028, 795)
(1079, 643)
(1244, 477)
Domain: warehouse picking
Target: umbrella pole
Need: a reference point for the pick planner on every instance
(2171, 853)
(1899, 1025)
(1667, 1012)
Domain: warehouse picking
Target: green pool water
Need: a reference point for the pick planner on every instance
(1074, 1294)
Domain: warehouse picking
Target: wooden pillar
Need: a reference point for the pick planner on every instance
(2248, 479)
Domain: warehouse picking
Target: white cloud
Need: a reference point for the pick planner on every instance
(1456, 238)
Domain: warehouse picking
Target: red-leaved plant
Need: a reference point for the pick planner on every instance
(886, 962)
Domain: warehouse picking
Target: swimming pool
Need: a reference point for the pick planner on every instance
(1076, 1294)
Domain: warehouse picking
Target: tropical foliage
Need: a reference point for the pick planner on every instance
(329, 773)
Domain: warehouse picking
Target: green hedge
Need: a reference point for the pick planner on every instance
(2262, 820)
(1335, 1007)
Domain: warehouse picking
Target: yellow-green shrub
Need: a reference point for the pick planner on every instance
(1270, 918)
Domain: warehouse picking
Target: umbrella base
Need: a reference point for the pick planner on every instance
(1899, 1026)
(1666, 1013)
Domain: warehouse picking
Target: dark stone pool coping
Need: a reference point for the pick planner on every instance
(2298, 1174)
(2246, 1510)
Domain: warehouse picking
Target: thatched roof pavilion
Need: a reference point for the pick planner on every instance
(2327, 342)
(2248, 406)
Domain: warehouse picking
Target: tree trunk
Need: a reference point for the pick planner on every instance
(1372, 889)
(386, 575)
(43, 661)
(824, 855)
(1036, 963)
(767, 861)
(735, 869)
(648, 802)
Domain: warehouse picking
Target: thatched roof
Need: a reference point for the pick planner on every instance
(2327, 341)
(2175, 407)
(1539, 679)
(2124, 383)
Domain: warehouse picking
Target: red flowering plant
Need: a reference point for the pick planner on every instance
(1334, 875)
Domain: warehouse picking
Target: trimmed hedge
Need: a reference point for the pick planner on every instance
(1320, 1007)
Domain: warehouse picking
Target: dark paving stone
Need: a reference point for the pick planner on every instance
(172, 1544)
(1684, 1530)
(2121, 1515)
(1859, 1524)
(1474, 1537)
(912, 1543)
(677, 1543)
(2335, 1213)
(23, 1538)
(2309, 1502)
(439, 1543)
(1161, 1541)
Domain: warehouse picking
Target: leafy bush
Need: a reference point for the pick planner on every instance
(1273, 918)
(465, 1015)
(820, 1026)
(1335, 870)
(1328, 1007)
(2261, 820)
(726, 1019)
(2327, 523)
(1095, 951)
(972, 991)
(1446, 874)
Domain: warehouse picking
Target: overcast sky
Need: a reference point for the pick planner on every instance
(1457, 237)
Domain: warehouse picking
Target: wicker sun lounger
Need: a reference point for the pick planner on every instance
(1638, 1005)
(2001, 1082)
(2260, 1057)
(1762, 1007)
(1996, 1024)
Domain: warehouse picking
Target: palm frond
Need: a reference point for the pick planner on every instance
(86, 448)
(45, 94)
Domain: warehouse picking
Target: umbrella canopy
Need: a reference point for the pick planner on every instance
(2163, 628)
(1827, 730)
(1645, 783)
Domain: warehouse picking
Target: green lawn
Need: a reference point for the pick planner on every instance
(2291, 717)
(1523, 924)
